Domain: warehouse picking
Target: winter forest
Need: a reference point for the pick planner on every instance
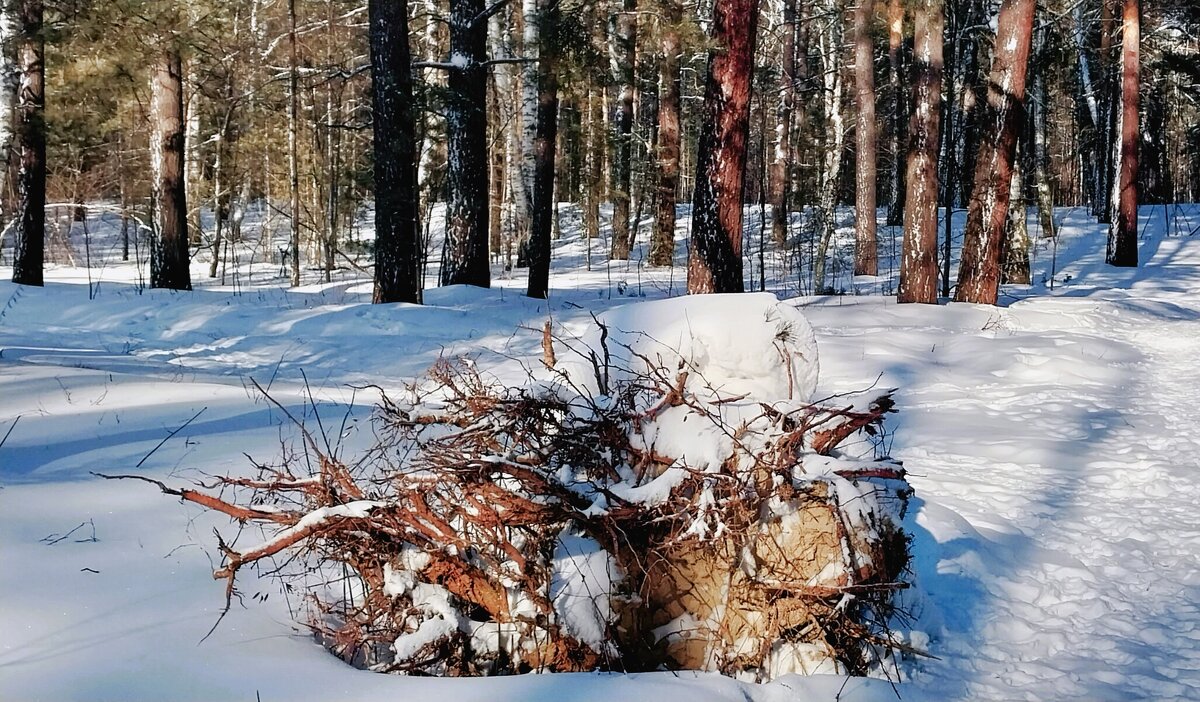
(565, 349)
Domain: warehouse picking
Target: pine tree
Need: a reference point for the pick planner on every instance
(918, 258)
(397, 220)
(30, 133)
(169, 263)
(1122, 233)
(715, 261)
(1003, 116)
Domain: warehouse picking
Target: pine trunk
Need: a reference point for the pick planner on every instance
(1004, 113)
(544, 146)
(715, 260)
(623, 48)
(30, 133)
(169, 266)
(1122, 233)
(918, 260)
(397, 218)
(465, 258)
(662, 246)
(866, 248)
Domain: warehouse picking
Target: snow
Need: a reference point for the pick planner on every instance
(1050, 442)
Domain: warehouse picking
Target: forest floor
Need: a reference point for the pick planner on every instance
(1051, 441)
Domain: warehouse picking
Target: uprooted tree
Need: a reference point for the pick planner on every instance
(660, 498)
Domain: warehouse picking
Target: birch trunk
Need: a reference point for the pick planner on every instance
(781, 165)
(895, 21)
(293, 125)
(9, 81)
(1122, 233)
(831, 166)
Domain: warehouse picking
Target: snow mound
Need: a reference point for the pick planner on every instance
(749, 346)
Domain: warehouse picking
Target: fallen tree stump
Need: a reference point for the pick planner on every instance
(634, 504)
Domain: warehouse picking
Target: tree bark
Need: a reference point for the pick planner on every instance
(1015, 269)
(465, 258)
(10, 79)
(1122, 233)
(715, 260)
(397, 215)
(293, 119)
(30, 133)
(979, 269)
(918, 259)
(895, 20)
(781, 165)
(624, 57)
(169, 265)
(866, 248)
(544, 145)
(830, 41)
(662, 246)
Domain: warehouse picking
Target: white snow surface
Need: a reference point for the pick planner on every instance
(1050, 441)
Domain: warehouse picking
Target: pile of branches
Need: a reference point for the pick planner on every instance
(499, 528)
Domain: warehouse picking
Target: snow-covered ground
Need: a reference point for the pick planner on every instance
(1051, 443)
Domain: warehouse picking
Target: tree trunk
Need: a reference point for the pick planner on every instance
(830, 42)
(10, 79)
(1015, 269)
(895, 19)
(169, 266)
(1041, 156)
(866, 245)
(623, 49)
(544, 152)
(781, 165)
(715, 260)
(30, 133)
(1122, 233)
(662, 246)
(465, 258)
(397, 219)
(293, 122)
(918, 260)
(979, 269)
